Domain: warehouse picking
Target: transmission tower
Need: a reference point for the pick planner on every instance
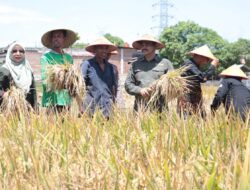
(161, 17)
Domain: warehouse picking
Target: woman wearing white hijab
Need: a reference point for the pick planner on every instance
(17, 71)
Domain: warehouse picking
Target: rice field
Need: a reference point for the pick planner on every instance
(148, 151)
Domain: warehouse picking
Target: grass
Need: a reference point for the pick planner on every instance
(150, 151)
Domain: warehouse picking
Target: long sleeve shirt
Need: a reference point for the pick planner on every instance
(101, 86)
(196, 76)
(143, 73)
(232, 92)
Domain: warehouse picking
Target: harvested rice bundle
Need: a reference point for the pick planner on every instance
(74, 81)
(56, 76)
(67, 76)
(14, 102)
(170, 85)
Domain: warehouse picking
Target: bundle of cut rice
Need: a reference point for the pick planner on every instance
(66, 76)
(56, 75)
(14, 102)
(170, 85)
(74, 81)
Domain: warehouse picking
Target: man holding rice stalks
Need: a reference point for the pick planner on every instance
(144, 71)
(191, 102)
(17, 84)
(100, 78)
(56, 40)
(233, 93)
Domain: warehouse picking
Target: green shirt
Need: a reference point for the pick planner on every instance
(61, 97)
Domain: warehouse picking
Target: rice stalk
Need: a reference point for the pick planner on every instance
(56, 75)
(170, 86)
(74, 83)
(14, 102)
(66, 76)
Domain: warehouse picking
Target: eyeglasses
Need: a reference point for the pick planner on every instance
(16, 50)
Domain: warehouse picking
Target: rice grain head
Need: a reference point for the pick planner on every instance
(66, 76)
(170, 85)
(14, 102)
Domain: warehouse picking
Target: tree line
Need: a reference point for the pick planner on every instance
(187, 35)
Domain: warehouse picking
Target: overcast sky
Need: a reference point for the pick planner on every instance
(27, 20)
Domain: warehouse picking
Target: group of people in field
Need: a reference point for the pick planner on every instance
(101, 77)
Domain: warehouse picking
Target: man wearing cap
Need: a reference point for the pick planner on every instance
(232, 92)
(191, 102)
(145, 70)
(56, 40)
(100, 79)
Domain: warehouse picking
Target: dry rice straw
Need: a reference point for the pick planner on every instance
(66, 76)
(14, 102)
(170, 85)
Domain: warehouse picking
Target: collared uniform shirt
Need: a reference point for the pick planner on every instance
(142, 74)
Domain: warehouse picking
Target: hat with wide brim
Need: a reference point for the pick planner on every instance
(102, 41)
(234, 71)
(203, 51)
(70, 38)
(137, 44)
(114, 52)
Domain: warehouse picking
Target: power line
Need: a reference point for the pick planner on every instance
(162, 16)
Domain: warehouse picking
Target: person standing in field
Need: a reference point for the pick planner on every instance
(100, 78)
(191, 102)
(17, 71)
(234, 95)
(146, 69)
(56, 40)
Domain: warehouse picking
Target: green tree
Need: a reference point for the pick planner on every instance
(185, 36)
(114, 39)
(238, 49)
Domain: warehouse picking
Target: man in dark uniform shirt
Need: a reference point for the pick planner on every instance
(232, 92)
(145, 70)
(191, 102)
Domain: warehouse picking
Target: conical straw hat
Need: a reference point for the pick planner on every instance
(137, 43)
(102, 41)
(114, 52)
(203, 51)
(70, 38)
(234, 71)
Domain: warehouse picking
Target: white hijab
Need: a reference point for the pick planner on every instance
(20, 72)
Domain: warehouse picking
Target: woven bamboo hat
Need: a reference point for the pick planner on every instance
(203, 51)
(137, 43)
(234, 71)
(70, 38)
(102, 41)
